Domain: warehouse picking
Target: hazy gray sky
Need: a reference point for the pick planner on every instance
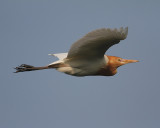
(31, 29)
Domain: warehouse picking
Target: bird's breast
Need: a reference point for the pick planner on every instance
(106, 71)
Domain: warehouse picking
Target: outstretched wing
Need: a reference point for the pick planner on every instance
(96, 43)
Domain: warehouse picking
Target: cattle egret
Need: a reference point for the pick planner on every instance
(86, 56)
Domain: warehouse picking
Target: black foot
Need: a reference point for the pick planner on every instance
(23, 68)
(26, 66)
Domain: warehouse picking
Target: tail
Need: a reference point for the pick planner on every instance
(25, 67)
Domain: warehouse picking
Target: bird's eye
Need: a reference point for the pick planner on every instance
(120, 59)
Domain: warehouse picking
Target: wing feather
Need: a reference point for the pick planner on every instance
(96, 43)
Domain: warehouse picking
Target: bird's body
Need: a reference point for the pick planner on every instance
(77, 67)
(86, 56)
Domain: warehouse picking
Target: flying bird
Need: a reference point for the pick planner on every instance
(86, 56)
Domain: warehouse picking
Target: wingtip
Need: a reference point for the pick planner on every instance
(126, 30)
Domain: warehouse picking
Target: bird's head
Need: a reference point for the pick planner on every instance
(117, 61)
(112, 65)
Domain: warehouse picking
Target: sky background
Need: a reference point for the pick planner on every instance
(32, 29)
